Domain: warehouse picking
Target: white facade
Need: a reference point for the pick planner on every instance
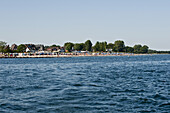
(27, 50)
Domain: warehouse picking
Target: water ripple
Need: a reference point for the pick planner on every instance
(85, 84)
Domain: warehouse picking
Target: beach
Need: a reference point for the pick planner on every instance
(67, 55)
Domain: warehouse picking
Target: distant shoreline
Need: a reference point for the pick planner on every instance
(68, 56)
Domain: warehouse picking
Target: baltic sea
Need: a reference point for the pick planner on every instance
(85, 84)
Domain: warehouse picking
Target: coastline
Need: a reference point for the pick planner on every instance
(67, 56)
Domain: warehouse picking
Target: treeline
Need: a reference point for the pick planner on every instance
(87, 46)
(158, 52)
(117, 46)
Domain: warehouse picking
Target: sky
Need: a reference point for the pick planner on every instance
(48, 22)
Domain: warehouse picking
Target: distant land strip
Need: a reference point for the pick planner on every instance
(118, 48)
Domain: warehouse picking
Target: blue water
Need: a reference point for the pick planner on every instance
(85, 84)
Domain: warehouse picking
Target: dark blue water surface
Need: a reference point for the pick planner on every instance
(85, 84)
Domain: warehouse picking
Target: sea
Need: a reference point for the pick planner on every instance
(110, 84)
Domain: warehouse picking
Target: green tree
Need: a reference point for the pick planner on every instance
(78, 47)
(96, 47)
(114, 49)
(88, 45)
(54, 45)
(100, 46)
(152, 51)
(110, 46)
(119, 46)
(2, 45)
(129, 49)
(21, 48)
(137, 48)
(68, 46)
(103, 46)
(83, 46)
(7, 49)
(144, 49)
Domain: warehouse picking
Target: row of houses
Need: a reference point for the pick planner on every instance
(35, 48)
(39, 48)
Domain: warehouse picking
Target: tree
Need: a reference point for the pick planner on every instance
(104, 46)
(96, 47)
(110, 46)
(144, 49)
(83, 46)
(100, 46)
(88, 45)
(21, 48)
(54, 45)
(152, 51)
(119, 46)
(68, 46)
(78, 47)
(7, 49)
(137, 48)
(2, 45)
(129, 49)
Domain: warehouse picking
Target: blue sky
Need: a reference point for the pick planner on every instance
(58, 21)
